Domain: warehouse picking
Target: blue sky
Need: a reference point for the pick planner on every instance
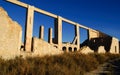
(102, 15)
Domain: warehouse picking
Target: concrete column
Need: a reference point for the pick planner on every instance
(41, 34)
(58, 32)
(77, 34)
(88, 34)
(29, 28)
(119, 46)
(50, 36)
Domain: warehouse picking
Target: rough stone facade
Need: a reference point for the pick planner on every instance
(101, 43)
(10, 36)
(86, 50)
(41, 48)
(114, 45)
(69, 47)
(93, 34)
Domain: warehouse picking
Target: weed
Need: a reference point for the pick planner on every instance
(64, 64)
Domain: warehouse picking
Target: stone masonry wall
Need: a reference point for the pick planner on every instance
(102, 42)
(10, 36)
(41, 48)
(92, 34)
(114, 45)
(95, 34)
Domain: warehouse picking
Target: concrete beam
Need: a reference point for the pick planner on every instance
(50, 36)
(41, 32)
(45, 13)
(84, 27)
(18, 3)
(29, 29)
(35, 9)
(74, 23)
(68, 21)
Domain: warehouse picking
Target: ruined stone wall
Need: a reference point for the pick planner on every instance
(10, 36)
(101, 43)
(114, 45)
(41, 48)
(95, 34)
(86, 50)
(67, 47)
(92, 34)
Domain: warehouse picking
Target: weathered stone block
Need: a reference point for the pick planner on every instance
(86, 50)
(114, 45)
(93, 34)
(10, 36)
(41, 48)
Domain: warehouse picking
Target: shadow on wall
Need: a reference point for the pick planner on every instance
(95, 43)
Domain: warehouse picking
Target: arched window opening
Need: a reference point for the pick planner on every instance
(70, 49)
(75, 49)
(64, 48)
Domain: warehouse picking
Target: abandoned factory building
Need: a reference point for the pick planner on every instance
(11, 43)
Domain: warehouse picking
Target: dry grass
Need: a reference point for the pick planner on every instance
(64, 64)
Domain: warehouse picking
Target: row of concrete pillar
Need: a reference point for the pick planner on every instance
(58, 31)
(58, 26)
(41, 35)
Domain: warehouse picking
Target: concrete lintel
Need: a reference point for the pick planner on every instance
(82, 26)
(74, 23)
(18, 3)
(36, 9)
(68, 21)
(45, 13)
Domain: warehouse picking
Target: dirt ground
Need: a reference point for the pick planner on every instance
(108, 68)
